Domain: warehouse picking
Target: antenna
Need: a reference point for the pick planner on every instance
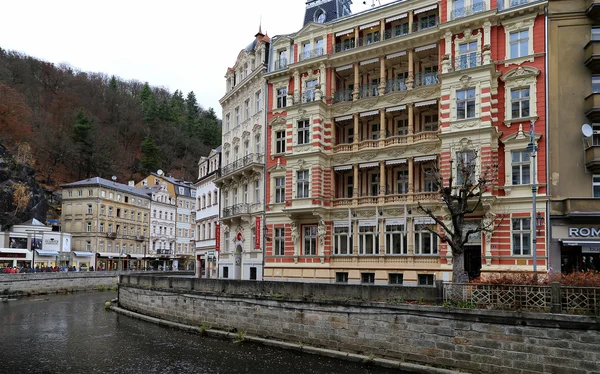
(372, 3)
(587, 130)
(160, 172)
(114, 178)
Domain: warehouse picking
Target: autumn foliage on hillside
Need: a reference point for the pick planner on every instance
(82, 124)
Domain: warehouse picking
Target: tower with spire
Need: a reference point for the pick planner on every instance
(322, 11)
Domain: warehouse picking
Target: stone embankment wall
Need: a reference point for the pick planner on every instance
(43, 283)
(483, 341)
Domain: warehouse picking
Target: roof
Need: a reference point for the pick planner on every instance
(251, 46)
(179, 183)
(32, 222)
(97, 181)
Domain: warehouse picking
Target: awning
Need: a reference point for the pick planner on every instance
(367, 223)
(577, 243)
(395, 222)
(83, 254)
(138, 256)
(396, 108)
(427, 8)
(425, 103)
(46, 253)
(343, 118)
(425, 158)
(395, 18)
(108, 254)
(396, 162)
(425, 47)
(369, 25)
(367, 62)
(344, 167)
(368, 165)
(369, 113)
(349, 31)
(424, 221)
(394, 55)
(345, 67)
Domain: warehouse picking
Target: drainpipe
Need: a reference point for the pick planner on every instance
(548, 182)
(264, 237)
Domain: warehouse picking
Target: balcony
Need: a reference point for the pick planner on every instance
(344, 46)
(395, 85)
(379, 142)
(280, 64)
(344, 95)
(140, 238)
(467, 61)
(509, 4)
(244, 162)
(575, 207)
(592, 107)
(386, 199)
(312, 53)
(425, 23)
(368, 90)
(308, 96)
(592, 56)
(240, 209)
(426, 79)
(468, 11)
(164, 251)
(592, 159)
(111, 235)
(593, 9)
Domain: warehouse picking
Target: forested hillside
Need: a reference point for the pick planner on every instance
(80, 124)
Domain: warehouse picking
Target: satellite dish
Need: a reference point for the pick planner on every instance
(587, 130)
(114, 178)
(159, 172)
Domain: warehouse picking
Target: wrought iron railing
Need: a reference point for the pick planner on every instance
(368, 90)
(241, 163)
(281, 64)
(343, 95)
(426, 79)
(312, 53)
(467, 61)
(308, 96)
(235, 210)
(468, 10)
(344, 46)
(507, 4)
(394, 85)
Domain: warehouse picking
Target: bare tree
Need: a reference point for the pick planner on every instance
(462, 194)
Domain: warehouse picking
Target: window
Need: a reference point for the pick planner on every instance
(401, 29)
(368, 278)
(227, 121)
(252, 273)
(425, 279)
(430, 122)
(281, 97)
(246, 109)
(427, 22)
(279, 247)
(110, 211)
(279, 190)
(596, 185)
(237, 116)
(465, 167)
(257, 148)
(80, 193)
(595, 83)
(402, 127)
(225, 272)
(226, 241)
(520, 102)
(519, 43)
(520, 167)
(521, 236)
(102, 210)
(309, 91)
(102, 227)
(89, 209)
(209, 199)
(256, 192)
(402, 182)
(303, 184)
(341, 277)
(396, 278)
(111, 195)
(245, 194)
(368, 241)
(70, 193)
(465, 103)
(235, 196)
(342, 240)
(429, 182)
(395, 238)
(310, 240)
(303, 132)
(280, 142)
(258, 101)
(425, 241)
(88, 227)
(467, 56)
(90, 193)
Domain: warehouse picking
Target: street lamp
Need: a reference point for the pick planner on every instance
(539, 222)
(532, 149)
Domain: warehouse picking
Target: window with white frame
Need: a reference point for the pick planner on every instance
(468, 56)
(342, 239)
(226, 241)
(304, 132)
(310, 240)
(257, 148)
(280, 142)
(519, 98)
(425, 240)
(246, 194)
(88, 227)
(465, 166)
(237, 116)
(89, 209)
(465, 103)
(235, 196)
(258, 101)
(521, 236)
(246, 109)
(279, 241)
(596, 185)
(519, 43)
(256, 192)
(302, 184)
(595, 83)
(279, 190)
(395, 238)
(521, 163)
(281, 97)
(227, 121)
(368, 240)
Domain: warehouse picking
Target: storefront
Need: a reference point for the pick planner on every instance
(15, 258)
(44, 259)
(206, 264)
(110, 261)
(575, 246)
(82, 261)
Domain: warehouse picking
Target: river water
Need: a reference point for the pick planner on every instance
(74, 334)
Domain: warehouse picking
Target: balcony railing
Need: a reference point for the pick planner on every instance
(368, 90)
(140, 238)
(507, 4)
(468, 10)
(425, 23)
(111, 235)
(344, 46)
(312, 53)
(395, 85)
(379, 142)
(346, 147)
(308, 96)
(164, 251)
(281, 64)
(425, 135)
(369, 39)
(467, 61)
(241, 163)
(385, 199)
(235, 210)
(342, 95)
(396, 139)
(426, 79)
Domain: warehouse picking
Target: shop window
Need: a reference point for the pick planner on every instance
(367, 278)
(596, 185)
(425, 279)
(341, 277)
(396, 278)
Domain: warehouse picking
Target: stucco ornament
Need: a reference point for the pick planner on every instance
(295, 231)
(322, 231)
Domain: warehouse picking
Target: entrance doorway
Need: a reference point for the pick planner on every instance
(473, 261)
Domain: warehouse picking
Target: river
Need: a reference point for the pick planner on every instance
(74, 334)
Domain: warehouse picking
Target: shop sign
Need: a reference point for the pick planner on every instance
(217, 237)
(13, 255)
(583, 232)
(257, 234)
(590, 250)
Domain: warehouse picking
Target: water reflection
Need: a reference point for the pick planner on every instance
(73, 334)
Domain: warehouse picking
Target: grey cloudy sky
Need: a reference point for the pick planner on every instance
(177, 44)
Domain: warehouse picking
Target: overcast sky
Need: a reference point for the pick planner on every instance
(177, 44)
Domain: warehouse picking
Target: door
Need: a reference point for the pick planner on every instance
(473, 261)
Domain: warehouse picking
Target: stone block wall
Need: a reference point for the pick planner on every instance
(471, 340)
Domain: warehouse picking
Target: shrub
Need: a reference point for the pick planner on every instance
(588, 279)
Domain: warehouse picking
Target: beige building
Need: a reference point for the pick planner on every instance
(108, 219)
(574, 157)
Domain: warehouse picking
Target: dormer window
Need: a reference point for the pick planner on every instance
(320, 16)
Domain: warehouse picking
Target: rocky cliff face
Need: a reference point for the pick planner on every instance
(12, 173)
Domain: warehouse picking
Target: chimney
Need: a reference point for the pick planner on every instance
(131, 183)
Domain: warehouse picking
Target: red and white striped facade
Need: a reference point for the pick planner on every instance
(361, 108)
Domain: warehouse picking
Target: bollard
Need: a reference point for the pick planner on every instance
(556, 302)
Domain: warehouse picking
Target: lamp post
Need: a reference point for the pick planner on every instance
(532, 149)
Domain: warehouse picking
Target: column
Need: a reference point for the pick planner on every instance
(411, 237)
(356, 125)
(332, 83)
(356, 36)
(411, 178)
(296, 87)
(411, 121)
(382, 124)
(356, 82)
(333, 184)
(411, 68)
(382, 180)
(333, 134)
(382, 81)
(323, 80)
(356, 186)
(410, 21)
(382, 28)
(355, 238)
